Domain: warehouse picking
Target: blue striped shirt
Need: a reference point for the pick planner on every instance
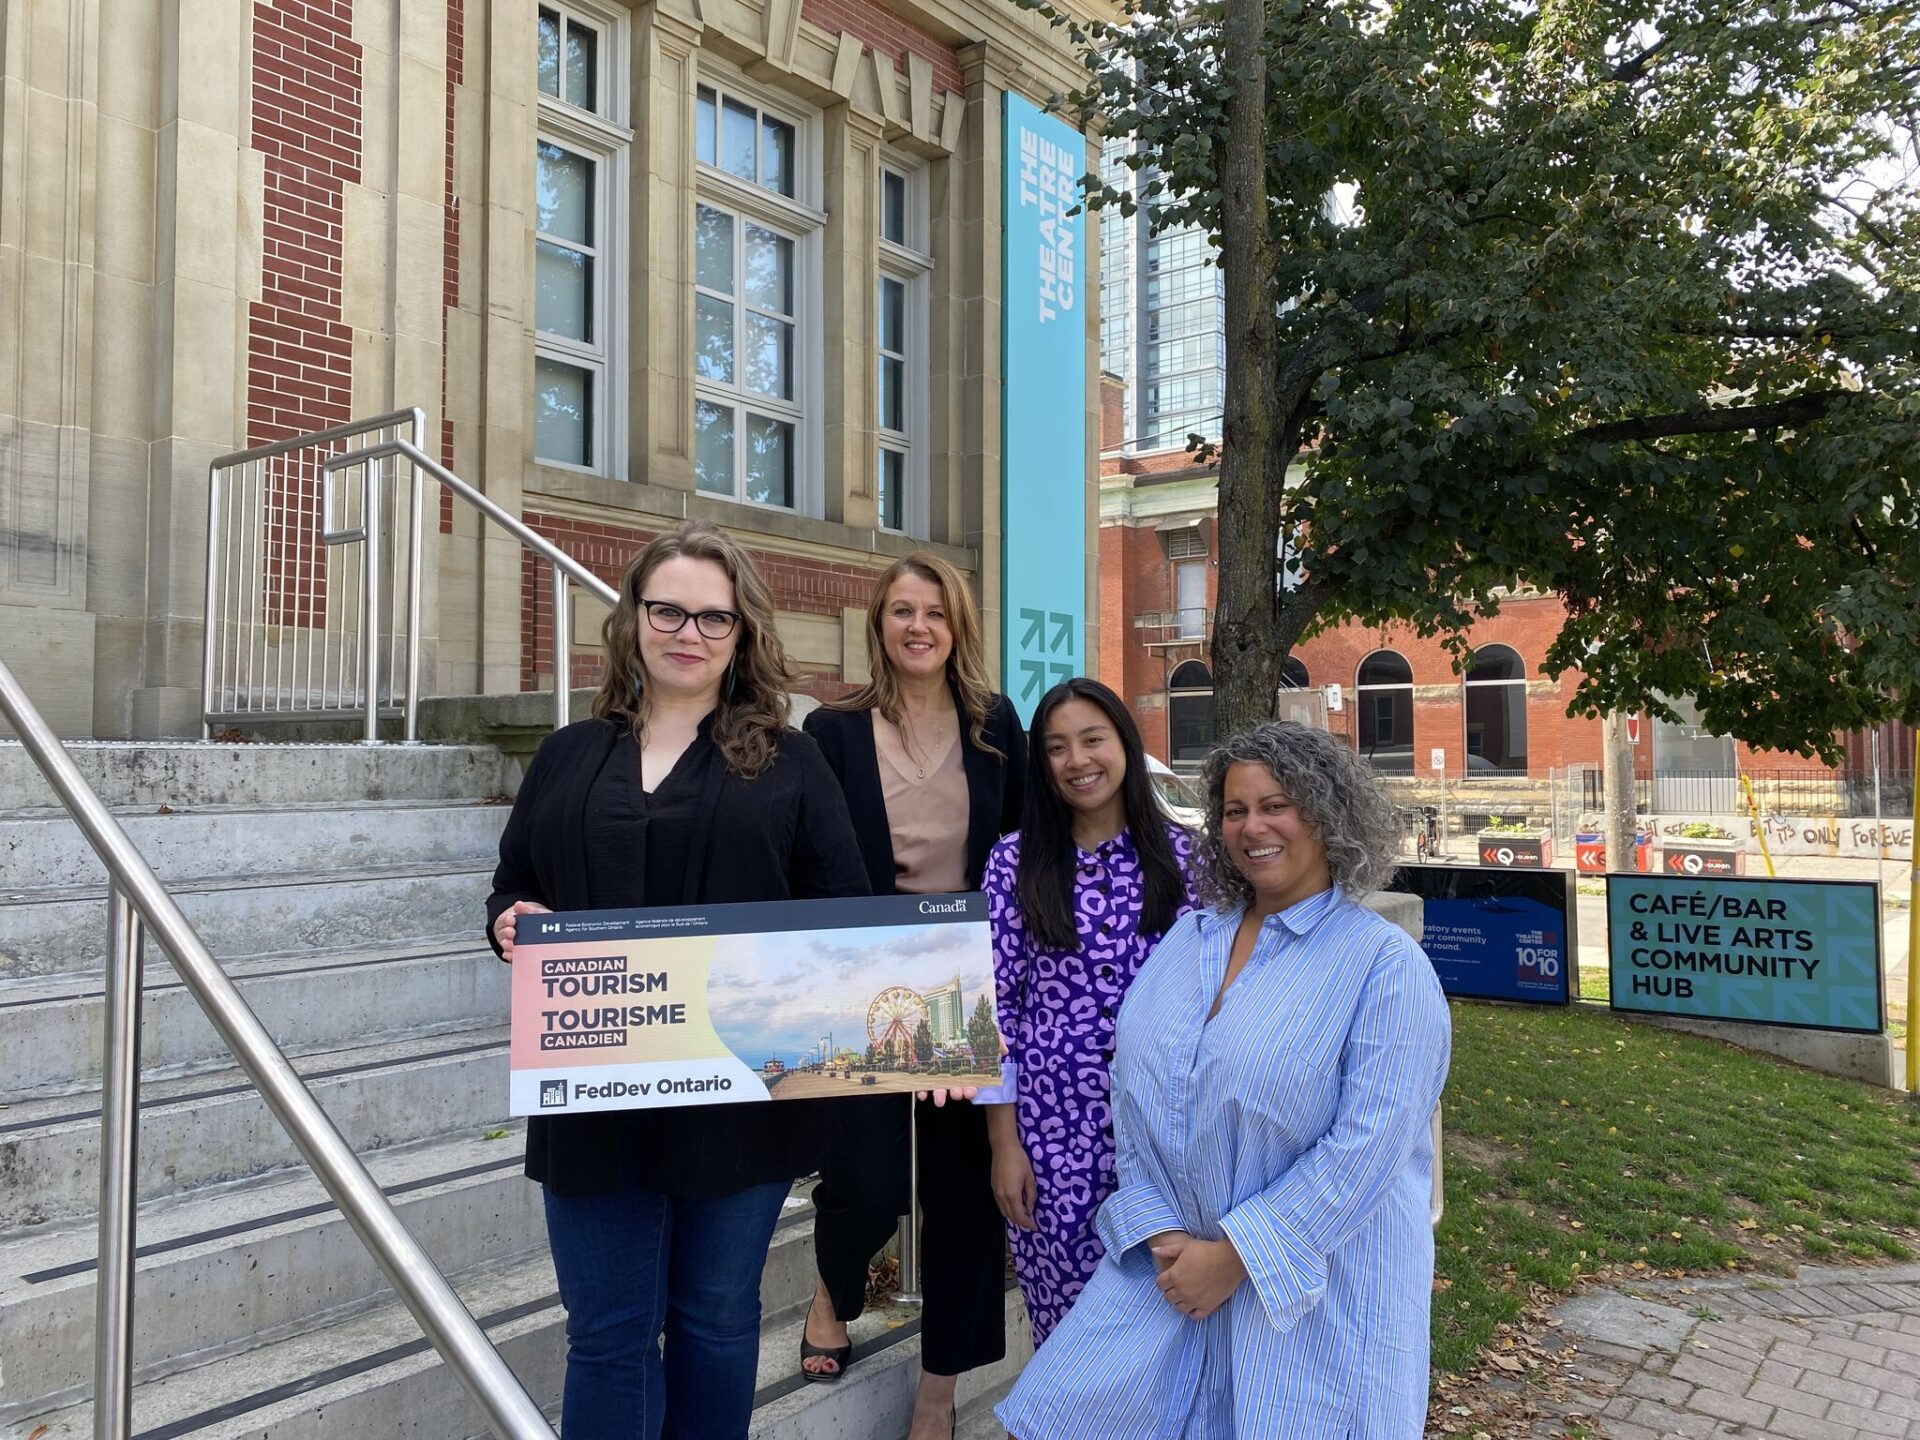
(1296, 1124)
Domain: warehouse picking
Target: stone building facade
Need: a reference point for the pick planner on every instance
(735, 259)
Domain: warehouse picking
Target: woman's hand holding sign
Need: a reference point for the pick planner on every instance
(503, 926)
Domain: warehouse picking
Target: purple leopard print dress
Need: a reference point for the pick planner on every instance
(1057, 1010)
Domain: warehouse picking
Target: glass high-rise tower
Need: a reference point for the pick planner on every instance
(1161, 318)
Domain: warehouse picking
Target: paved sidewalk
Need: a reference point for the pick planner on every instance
(1830, 1355)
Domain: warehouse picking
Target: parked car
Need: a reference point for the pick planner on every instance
(1177, 795)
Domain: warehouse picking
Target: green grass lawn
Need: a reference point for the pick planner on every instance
(1580, 1145)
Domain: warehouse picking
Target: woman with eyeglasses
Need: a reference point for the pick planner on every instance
(933, 763)
(686, 787)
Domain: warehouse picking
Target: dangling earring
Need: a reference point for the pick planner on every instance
(733, 675)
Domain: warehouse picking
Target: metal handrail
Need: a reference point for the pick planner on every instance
(216, 617)
(267, 545)
(135, 896)
(565, 568)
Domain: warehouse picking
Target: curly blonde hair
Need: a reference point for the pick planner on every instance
(754, 703)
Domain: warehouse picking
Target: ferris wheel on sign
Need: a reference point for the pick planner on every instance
(896, 1012)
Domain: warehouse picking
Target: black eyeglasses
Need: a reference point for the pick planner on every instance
(671, 619)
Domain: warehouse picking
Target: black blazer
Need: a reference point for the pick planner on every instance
(782, 835)
(996, 788)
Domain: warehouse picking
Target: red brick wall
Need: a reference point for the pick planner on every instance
(1554, 741)
(808, 587)
(887, 33)
(1136, 577)
(305, 120)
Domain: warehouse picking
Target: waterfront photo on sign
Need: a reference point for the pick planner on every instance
(792, 1000)
(1803, 953)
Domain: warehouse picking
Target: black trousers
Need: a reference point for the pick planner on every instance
(963, 1240)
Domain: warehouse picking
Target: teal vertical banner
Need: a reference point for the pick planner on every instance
(1804, 953)
(1043, 470)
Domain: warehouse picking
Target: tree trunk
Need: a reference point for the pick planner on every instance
(1246, 664)
(1622, 821)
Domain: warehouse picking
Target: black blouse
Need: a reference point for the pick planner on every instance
(631, 831)
(583, 835)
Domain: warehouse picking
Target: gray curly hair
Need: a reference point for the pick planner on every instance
(1337, 796)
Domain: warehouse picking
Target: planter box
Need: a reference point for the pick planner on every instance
(1590, 854)
(1702, 857)
(1509, 851)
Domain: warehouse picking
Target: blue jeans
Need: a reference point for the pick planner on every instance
(638, 1267)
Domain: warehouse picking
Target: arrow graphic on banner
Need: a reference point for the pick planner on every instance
(1063, 632)
(1036, 673)
(1036, 628)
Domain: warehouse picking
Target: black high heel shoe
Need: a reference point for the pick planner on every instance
(841, 1355)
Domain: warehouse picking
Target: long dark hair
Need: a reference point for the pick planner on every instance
(1047, 852)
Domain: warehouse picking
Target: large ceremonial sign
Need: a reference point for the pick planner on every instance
(1804, 953)
(721, 1004)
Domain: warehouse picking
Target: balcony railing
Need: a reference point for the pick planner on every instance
(1174, 627)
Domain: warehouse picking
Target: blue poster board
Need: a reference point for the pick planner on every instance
(1800, 953)
(1497, 934)
(1045, 285)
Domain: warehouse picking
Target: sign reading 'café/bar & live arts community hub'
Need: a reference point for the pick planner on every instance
(1801, 953)
(794, 999)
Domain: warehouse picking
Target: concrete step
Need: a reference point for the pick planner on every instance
(152, 773)
(43, 850)
(228, 1265)
(371, 1375)
(875, 1400)
(61, 931)
(241, 1265)
(50, 1026)
(200, 1130)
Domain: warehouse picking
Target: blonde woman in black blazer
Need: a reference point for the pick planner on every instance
(903, 747)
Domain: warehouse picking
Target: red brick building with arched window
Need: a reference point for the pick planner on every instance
(1499, 734)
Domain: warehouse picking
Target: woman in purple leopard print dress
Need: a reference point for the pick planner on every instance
(1078, 898)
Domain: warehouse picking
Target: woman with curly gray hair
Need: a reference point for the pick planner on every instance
(1269, 1258)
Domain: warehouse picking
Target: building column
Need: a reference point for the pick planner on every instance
(480, 564)
(852, 264)
(393, 253)
(49, 126)
(666, 37)
(207, 270)
(975, 377)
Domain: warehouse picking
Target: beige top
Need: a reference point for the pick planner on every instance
(928, 817)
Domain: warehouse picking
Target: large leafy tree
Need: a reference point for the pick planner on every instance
(1618, 299)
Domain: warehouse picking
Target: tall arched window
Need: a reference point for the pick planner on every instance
(1293, 675)
(1189, 712)
(1383, 693)
(1495, 696)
